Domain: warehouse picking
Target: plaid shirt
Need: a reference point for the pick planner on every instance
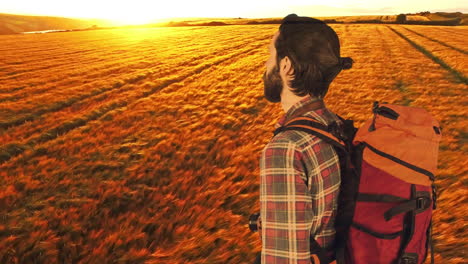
(299, 186)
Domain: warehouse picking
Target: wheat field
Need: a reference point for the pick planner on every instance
(142, 145)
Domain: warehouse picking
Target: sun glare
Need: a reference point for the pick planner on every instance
(132, 20)
(136, 13)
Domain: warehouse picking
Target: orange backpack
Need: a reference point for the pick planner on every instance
(387, 191)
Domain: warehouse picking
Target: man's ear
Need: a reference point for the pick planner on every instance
(286, 67)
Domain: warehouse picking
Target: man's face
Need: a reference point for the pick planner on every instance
(272, 82)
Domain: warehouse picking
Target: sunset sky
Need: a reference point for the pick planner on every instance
(142, 11)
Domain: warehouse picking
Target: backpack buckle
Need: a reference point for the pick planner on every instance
(253, 226)
(375, 106)
(409, 258)
(423, 202)
(337, 131)
(420, 202)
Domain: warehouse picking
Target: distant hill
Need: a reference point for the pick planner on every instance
(421, 18)
(448, 16)
(12, 24)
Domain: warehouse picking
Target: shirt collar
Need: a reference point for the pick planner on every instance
(298, 107)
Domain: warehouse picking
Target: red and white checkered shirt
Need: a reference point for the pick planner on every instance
(299, 186)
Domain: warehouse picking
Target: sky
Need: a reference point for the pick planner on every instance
(143, 11)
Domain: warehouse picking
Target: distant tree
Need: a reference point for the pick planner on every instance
(401, 19)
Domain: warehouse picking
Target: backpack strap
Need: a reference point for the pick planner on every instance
(313, 127)
(408, 232)
(332, 135)
(431, 242)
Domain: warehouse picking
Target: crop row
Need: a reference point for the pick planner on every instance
(16, 113)
(111, 53)
(117, 67)
(452, 60)
(454, 42)
(51, 128)
(147, 145)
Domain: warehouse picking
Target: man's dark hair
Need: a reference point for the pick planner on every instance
(314, 50)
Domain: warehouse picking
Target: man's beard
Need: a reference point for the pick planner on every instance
(273, 85)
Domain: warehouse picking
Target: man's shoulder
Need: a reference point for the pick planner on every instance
(301, 140)
(324, 116)
(294, 139)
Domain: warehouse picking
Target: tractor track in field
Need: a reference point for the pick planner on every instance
(23, 91)
(93, 74)
(438, 41)
(40, 49)
(456, 74)
(56, 50)
(13, 149)
(453, 31)
(56, 56)
(117, 85)
(64, 62)
(399, 84)
(19, 73)
(72, 74)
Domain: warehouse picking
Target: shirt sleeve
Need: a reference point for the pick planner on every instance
(285, 205)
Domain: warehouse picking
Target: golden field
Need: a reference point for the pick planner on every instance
(142, 145)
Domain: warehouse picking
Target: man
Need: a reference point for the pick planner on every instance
(299, 173)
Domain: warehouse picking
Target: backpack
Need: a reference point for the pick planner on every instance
(387, 191)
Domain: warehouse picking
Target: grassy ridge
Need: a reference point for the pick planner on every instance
(11, 24)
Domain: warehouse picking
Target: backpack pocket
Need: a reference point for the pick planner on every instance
(390, 219)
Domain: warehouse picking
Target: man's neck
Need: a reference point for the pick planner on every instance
(288, 99)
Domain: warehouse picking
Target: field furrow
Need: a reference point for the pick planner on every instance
(195, 132)
(54, 129)
(148, 47)
(458, 31)
(16, 113)
(454, 57)
(32, 44)
(110, 51)
(447, 43)
(137, 46)
(452, 61)
(124, 91)
(112, 67)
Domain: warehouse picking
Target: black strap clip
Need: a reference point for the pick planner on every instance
(409, 258)
(420, 201)
(336, 130)
(253, 222)
(418, 204)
